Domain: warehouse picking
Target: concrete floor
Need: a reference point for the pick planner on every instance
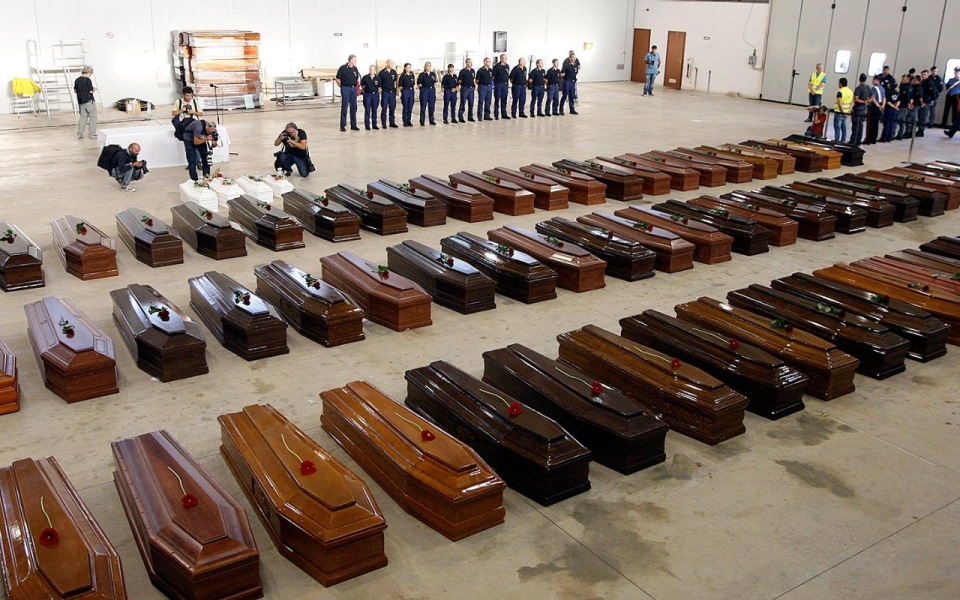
(856, 498)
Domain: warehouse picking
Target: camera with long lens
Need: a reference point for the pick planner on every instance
(143, 167)
(215, 136)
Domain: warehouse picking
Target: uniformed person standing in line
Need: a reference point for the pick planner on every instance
(914, 115)
(553, 90)
(861, 98)
(485, 90)
(569, 76)
(449, 85)
(501, 81)
(952, 102)
(388, 94)
(572, 59)
(468, 83)
(815, 88)
(427, 84)
(937, 82)
(906, 103)
(887, 77)
(370, 85)
(537, 81)
(890, 112)
(408, 82)
(348, 80)
(518, 80)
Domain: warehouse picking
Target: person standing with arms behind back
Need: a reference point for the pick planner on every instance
(468, 83)
(553, 90)
(501, 80)
(427, 83)
(370, 85)
(348, 80)
(484, 90)
(538, 81)
(875, 107)
(449, 85)
(842, 108)
(815, 87)
(572, 59)
(388, 94)
(569, 76)
(890, 112)
(652, 60)
(861, 97)
(408, 83)
(518, 79)
(905, 91)
(84, 89)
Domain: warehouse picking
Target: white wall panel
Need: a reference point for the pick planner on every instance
(882, 32)
(812, 36)
(849, 20)
(568, 27)
(778, 79)
(918, 45)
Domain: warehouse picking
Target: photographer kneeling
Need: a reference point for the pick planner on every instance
(124, 167)
(195, 139)
(294, 151)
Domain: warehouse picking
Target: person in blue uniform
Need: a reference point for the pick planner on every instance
(388, 94)
(569, 75)
(537, 81)
(370, 86)
(518, 81)
(484, 90)
(553, 90)
(890, 111)
(468, 83)
(408, 83)
(952, 105)
(572, 59)
(427, 84)
(348, 80)
(501, 82)
(449, 85)
(905, 92)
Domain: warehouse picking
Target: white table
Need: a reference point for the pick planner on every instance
(158, 146)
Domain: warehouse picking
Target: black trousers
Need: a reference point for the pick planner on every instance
(951, 107)
(874, 117)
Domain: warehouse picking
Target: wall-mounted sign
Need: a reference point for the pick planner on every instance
(338, 35)
(499, 41)
(706, 37)
(110, 38)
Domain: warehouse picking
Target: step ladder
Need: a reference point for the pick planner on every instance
(56, 78)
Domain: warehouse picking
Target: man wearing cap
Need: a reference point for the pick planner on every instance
(348, 79)
(951, 108)
(652, 60)
(815, 87)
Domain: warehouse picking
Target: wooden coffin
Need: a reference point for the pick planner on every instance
(193, 537)
(945, 245)
(577, 269)
(265, 224)
(547, 194)
(386, 298)
(829, 159)
(517, 274)
(764, 167)
(904, 206)
(850, 219)
(774, 388)
(450, 281)
(783, 230)
(621, 184)
(21, 261)
(878, 213)
(376, 214)
(9, 381)
(674, 253)
(423, 210)
(927, 334)
(655, 181)
(508, 197)
(430, 474)
(927, 259)
(583, 188)
(932, 201)
(830, 370)
(949, 187)
(749, 237)
(240, 320)
(850, 155)
(939, 169)
(75, 356)
(881, 352)
(207, 232)
(689, 400)
(813, 222)
(683, 179)
(164, 341)
(711, 175)
(148, 238)
(58, 555)
(318, 513)
(626, 259)
(910, 273)
(807, 161)
(86, 252)
(317, 311)
(622, 433)
(532, 453)
(786, 164)
(737, 170)
(321, 216)
(712, 247)
(463, 202)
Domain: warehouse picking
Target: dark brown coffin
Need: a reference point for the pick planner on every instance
(81, 565)
(547, 195)
(786, 164)
(77, 367)
(463, 203)
(450, 281)
(206, 552)
(518, 275)
(322, 216)
(674, 253)
(764, 167)
(850, 155)
(879, 213)
(945, 245)
(148, 238)
(904, 206)
(710, 175)
(242, 322)
(423, 210)
(508, 198)
(431, 475)
(913, 204)
(738, 170)
(266, 225)
(326, 522)
(774, 388)
(583, 188)
(927, 334)
(689, 400)
(749, 237)
(621, 184)
(577, 269)
(531, 452)
(386, 298)
(783, 230)
(932, 201)
(376, 214)
(939, 170)
(850, 219)
(712, 246)
(881, 352)
(86, 252)
(681, 178)
(912, 274)
(813, 222)
(829, 158)
(927, 259)
(949, 187)
(318, 311)
(655, 182)
(9, 381)
(167, 348)
(830, 370)
(21, 261)
(807, 161)
(626, 259)
(207, 232)
(622, 433)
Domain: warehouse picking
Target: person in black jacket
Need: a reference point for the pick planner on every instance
(927, 95)
(905, 95)
(408, 83)
(537, 83)
(553, 89)
(518, 79)
(449, 85)
(485, 90)
(569, 75)
(126, 167)
(370, 85)
(427, 84)
(348, 80)
(916, 106)
(388, 94)
(84, 89)
(501, 81)
(468, 83)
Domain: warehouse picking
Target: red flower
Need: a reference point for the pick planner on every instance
(246, 299)
(316, 285)
(164, 315)
(370, 195)
(596, 388)
(511, 252)
(515, 409)
(209, 215)
(189, 501)
(427, 435)
(450, 262)
(82, 231)
(610, 235)
(788, 328)
(734, 344)
(149, 222)
(675, 364)
(69, 332)
(307, 468)
(49, 537)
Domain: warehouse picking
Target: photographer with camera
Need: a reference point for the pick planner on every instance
(294, 151)
(196, 137)
(125, 167)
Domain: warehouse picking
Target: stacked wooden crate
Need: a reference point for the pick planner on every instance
(228, 59)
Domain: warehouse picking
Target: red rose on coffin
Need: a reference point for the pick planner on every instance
(370, 195)
(596, 388)
(9, 240)
(164, 315)
(734, 344)
(427, 435)
(49, 537)
(189, 501)
(788, 328)
(449, 262)
(316, 285)
(209, 215)
(69, 333)
(307, 468)
(82, 231)
(675, 364)
(515, 409)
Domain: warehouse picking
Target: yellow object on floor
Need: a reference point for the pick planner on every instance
(24, 87)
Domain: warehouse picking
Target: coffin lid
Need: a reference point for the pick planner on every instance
(811, 305)
(270, 213)
(802, 279)
(145, 295)
(8, 360)
(466, 189)
(742, 203)
(797, 336)
(503, 182)
(326, 294)
(94, 236)
(626, 162)
(897, 281)
(158, 227)
(227, 286)
(215, 219)
(312, 198)
(607, 170)
(459, 266)
(564, 248)
(593, 230)
(708, 213)
(696, 225)
(363, 194)
(527, 176)
(490, 247)
(744, 351)
(21, 243)
(652, 230)
(394, 280)
(571, 175)
(412, 191)
(82, 339)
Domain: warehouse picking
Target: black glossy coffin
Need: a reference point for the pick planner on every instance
(422, 209)
(148, 238)
(322, 216)
(905, 207)
(518, 275)
(21, 261)
(376, 214)
(879, 213)
(749, 237)
(451, 282)
(850, 219)
(265, 224)
(626, 259)
(814, 223)
(207, 232)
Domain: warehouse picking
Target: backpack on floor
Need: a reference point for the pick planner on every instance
(105, 161)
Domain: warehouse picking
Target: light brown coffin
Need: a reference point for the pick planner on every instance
(547, 195)
(711, 175)
(830, 159)
(786, 164)
(783, 230)
(577, 269)
(463, 202)
(673, 252)
(655, 182)
(912, 274)
(86, 252)
(149, 239)
(712, 246)
(508, 197)
(326, 523)
(738, 170)
(764, 167)
(21, 261)
(82, 565)
(442, 482)
(206, 552)
(9, 384)
(681, 178)
(583, 189)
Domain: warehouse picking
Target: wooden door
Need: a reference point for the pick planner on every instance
(673, 64)
(641, 45)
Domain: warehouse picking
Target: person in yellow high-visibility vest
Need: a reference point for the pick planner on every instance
(842, 108)
(815, 88)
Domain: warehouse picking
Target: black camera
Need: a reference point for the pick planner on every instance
(143, 167)
(284, 136)
(215, 136)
